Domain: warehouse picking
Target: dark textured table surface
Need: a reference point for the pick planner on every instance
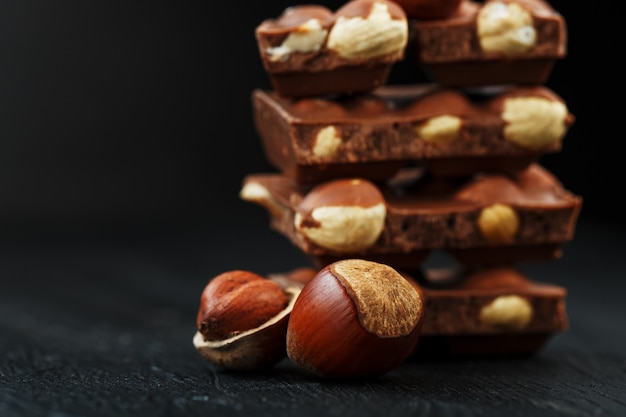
(103, 327)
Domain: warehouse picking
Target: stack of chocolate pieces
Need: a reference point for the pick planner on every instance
(396, 173)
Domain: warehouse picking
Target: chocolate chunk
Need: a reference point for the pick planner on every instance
(494, 42)
(488, 312)
(372, 136)
(489, 219)
(310, 51)
(490, 301)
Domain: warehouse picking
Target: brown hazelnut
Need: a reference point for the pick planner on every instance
(242, 320)
(236, 301)
(354, 318)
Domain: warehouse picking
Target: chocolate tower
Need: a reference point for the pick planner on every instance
(395, 173)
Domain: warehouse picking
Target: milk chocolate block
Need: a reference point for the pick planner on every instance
(492, 42)
(488, 312)
(372, 136)
(490, 219)
(311, 51)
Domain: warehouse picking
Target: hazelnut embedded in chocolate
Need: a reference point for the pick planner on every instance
(505, 28)
(327, 141)
(535, 118)
(302, 29)
(495, 42)
(508, 312)
(345, 215)
(498, 223)
(310, 52)
(366, 29)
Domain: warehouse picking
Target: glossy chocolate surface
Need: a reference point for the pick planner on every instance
(424, 213)
(378, 132)
(450, 49)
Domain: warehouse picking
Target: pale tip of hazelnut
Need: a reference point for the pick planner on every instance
(256, 193)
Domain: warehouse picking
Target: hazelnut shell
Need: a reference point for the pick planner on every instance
(254, 349)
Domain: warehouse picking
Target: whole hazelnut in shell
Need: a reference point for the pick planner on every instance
(355, 318)
(242, 320)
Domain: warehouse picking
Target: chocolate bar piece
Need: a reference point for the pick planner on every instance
(492, 42)
(449, 132)
(485, 220)
(488, 312)
(481, 312)
(311, 51)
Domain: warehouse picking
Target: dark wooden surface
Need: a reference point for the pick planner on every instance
(103, 327)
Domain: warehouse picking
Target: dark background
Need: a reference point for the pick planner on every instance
(125, 133)
(134, 116)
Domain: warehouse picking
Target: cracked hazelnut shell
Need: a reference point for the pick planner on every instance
(242, 320)
(236, 301)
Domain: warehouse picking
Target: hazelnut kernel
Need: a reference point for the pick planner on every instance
(258, 194)
(505, 28)
(384, 31)
(440, 129)
(327, 142)
(510, 312)
(345, 215)
(236, 301)
(308, 37)
(258, 347)
(534, 122)
(498, 223)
